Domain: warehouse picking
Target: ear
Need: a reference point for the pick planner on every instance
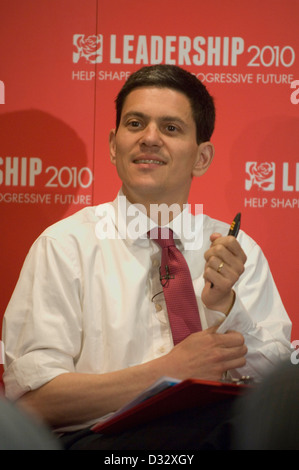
(112, 146)
(204, 159)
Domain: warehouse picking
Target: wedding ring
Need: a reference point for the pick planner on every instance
(220, 267)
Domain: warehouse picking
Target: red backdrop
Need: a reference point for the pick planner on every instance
(62, 63)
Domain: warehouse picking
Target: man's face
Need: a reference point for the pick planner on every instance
(155, 149)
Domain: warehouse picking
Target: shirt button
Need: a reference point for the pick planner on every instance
(158, 307)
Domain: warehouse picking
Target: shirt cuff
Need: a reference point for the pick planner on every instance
(33, 370)
(238, 318)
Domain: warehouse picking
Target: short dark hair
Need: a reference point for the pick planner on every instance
(172, 76)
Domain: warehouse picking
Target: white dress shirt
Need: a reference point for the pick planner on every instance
(86, 304)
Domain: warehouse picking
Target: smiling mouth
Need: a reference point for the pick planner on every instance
(149, 161)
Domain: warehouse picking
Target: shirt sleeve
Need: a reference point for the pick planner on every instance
(49, 288)
(258, 313)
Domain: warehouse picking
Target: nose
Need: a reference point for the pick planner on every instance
(151, 136)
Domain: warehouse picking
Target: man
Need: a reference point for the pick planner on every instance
(87, 327)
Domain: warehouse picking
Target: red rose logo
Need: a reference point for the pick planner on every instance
(90, 48)
(261, 175)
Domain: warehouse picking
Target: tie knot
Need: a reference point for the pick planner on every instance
(162, 235)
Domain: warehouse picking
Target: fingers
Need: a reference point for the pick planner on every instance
(208, 355)
(217, 347)
(229, 352)
(217, 271)
(225, 246)
(230, 339)
(225, 261)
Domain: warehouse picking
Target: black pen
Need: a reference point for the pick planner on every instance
(235, 225)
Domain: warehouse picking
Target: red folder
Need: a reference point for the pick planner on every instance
(189, 393)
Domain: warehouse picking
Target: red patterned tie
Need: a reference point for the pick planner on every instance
(177, 286)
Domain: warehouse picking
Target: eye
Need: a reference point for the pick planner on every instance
(134, 124)
(171, 128)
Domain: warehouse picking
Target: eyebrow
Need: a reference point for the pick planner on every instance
(162, 119)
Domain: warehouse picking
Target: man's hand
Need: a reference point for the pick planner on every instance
(207, 355)
(225, 262)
